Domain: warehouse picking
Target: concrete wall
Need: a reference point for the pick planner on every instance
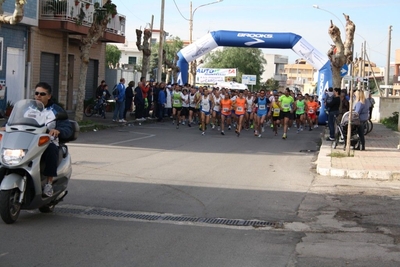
(384, 107)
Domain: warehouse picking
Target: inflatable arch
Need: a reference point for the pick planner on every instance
(259, 40)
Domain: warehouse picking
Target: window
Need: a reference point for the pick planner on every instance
(132, 60)
(1, 53)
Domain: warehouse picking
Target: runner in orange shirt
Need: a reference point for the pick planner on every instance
(240, 109)
(311, 109)
(226, 107)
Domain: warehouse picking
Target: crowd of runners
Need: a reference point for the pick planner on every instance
(241, 109)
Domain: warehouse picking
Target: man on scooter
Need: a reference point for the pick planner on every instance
(61, 129)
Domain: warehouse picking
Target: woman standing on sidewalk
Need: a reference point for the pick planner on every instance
(362, 108)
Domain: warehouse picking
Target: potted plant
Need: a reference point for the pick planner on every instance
(9, 108)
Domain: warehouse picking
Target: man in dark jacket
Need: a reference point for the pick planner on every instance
(333, 107)
(61, 129)
(139, 103)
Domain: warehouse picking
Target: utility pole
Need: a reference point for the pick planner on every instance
(161, 43)
(388, 62)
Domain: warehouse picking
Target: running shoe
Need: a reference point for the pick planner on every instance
(48, 190)
(229, 127)
(237, 134)
(222, 133)
(219, 128)
(183, 123)
(262, 129)
(177, 126)
(259, 136)
(301, 128)
(298, 130)
(310, 129)
(189, 124)
(315, 126)
(173, 122)
(213, 126)
(284, 136)
(203, 133)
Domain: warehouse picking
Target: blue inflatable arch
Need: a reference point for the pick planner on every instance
(259, 40)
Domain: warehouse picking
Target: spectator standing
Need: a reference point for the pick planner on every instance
(168, 105)
(362, 108)
(156, 92)
(333, 111)
(139, 103)
(99, 90)
(120, 102)
(128, 98)
(161, 101)
(371, 104)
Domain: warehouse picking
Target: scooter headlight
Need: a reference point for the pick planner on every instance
(12, 156)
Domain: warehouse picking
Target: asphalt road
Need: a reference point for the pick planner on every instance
(153, 195)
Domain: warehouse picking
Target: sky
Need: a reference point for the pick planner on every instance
(372, 20)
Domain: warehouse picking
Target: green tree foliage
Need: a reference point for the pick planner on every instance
(271, 84)
(113, 55)
(246, 60)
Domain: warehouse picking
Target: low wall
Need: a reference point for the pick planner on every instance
(384, 107)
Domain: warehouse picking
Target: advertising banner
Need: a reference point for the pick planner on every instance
(209, 79)
(216, 72)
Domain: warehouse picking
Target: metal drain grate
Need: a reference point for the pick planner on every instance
(95, 212)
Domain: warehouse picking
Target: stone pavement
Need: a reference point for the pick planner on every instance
(380, 160)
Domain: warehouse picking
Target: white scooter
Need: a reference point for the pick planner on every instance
(21, 146)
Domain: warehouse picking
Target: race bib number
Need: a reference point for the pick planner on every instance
(239, 109)
(300, 109)
(277, 110)
(286, 106)
(176, 101)
(225, 110)
(310, 111)
(261, 107)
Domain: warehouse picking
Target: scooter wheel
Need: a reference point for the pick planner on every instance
(47, 209)
(9, 206)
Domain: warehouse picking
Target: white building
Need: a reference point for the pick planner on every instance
(275, 68)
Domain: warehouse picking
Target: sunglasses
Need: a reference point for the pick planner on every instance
(40, 93)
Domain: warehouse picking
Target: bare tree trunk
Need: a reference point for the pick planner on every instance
(96, 31)
(340, 53)
(172, 65)
(145, 48)
(16, 17)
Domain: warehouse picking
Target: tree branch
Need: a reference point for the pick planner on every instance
(16, 17)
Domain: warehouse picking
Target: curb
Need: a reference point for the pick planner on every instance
(324, 167)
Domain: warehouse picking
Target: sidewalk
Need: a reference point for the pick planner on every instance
(380, 160)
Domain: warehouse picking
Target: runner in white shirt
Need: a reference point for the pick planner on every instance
(216, 113)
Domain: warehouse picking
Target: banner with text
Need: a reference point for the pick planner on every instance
(209, 79)
(216, 72)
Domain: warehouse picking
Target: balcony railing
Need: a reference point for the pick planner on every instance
(78, 11)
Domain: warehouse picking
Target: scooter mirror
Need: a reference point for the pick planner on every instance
(62, 115)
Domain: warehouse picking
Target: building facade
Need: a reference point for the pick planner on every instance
(51, 33)
(275, 69)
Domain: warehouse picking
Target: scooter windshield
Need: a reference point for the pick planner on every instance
(28, 112)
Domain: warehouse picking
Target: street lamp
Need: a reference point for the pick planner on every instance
(192, 14)
(317, 7)
(192, 77)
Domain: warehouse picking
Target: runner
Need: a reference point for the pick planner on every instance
(176, 105)
(249, 113)
(240, 109)
(311, 109)
(263, 104)
(300, 110)
(185, 106)
(276, 114)
(285, 103)
(193, 111)
(205, 110)
(226, 107)
(216, 115)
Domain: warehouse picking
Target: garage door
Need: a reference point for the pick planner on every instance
(50, 71)
(91, 79)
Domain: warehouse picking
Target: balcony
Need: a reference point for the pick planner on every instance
(76, 17)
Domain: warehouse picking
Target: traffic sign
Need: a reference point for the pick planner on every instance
(344, 70)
